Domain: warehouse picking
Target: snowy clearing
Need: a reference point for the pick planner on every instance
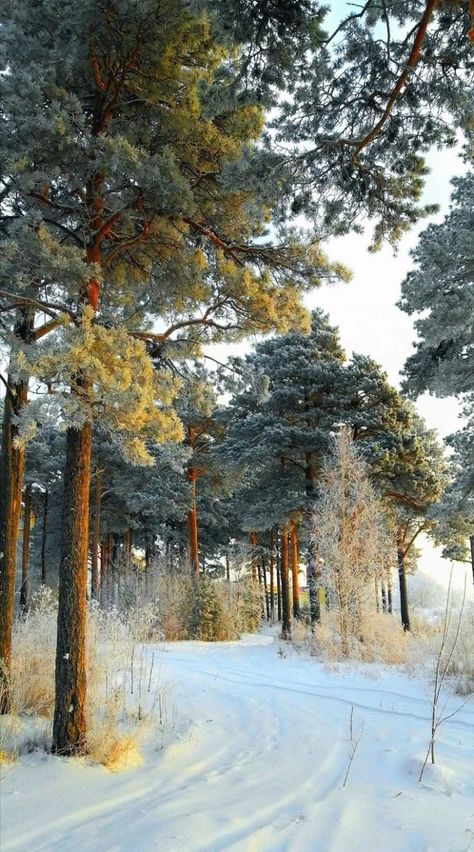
(257, 761)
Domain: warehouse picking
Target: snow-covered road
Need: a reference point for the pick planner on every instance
(257, 762)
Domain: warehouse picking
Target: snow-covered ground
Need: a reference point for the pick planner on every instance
(257, 762)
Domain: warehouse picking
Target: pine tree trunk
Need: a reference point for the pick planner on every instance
(44, 537)
(389, 596)
(294, 570)
(25, 551)
(384, 597)
(69, 726)
(285, 586)
(402, 578)
(12, 466)
(272, 578)
(193, 544)
(278, 578)
(96, 537)
(265, 587)
(471, 541)
(127, 547)
(311, 567)
(114, 572)
(376, 592)
(103, 571)
(253, 544)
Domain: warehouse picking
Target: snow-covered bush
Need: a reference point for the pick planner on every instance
(185, 607)
(381, 639)
(350, 542)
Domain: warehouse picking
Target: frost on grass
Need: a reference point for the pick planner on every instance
(126, 702)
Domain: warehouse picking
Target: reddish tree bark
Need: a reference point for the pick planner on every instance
(12, 467)
(69, 726)
(294, 569)
(253, 544)
(25, 550)
(96, 537)
(285, 586)
(272, 577)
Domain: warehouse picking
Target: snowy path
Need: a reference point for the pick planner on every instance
(258, 764)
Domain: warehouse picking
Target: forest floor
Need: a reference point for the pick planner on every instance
(256, 760)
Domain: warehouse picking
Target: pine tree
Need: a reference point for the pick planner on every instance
(112, 249)
(440, 288)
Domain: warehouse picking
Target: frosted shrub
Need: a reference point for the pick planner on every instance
(381, 639)
(187, 607)
(350, 542)
(31, 682)
(462, 665)
(245, 599)
(211, 617)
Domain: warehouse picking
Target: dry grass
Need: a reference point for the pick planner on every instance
(125, 700)
(380, 639)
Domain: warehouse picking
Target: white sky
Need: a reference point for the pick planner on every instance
(365, 309)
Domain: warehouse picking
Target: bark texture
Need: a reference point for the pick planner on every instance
(402, 579)
(285, 587)
(69, 726)
(12, 466)
(294, 569)
(193, 541)
(253, 545)
(311, 566)
(25, 551)
(96, 537)
(44, 537)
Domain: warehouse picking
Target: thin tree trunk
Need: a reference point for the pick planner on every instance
(103, 572)
(96, 537)
(402, 578)
(384, 597)
(389, 596)
(253, 544)
(25, 551)
(311, 566)
(278, 578)
(272, 578)
(193, 543)
(69, 725)
(471, 541)
(12, 467)
(127, 547)
(44, 536)
(285, 586)
(227, 567)
(294, 569)
(265, 586)
(376, 592)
